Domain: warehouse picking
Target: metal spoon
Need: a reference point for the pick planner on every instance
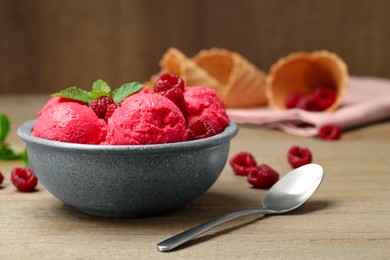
(287, 194)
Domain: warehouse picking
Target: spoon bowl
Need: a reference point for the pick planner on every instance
(290, 192)
(294, 189)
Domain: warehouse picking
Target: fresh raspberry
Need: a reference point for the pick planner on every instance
(100, 105)
(1, 178)
(200, 128)
(177, 97)
(110, 110)
(24, 179)
(321, 99)
(298, 156)
(325, 97)
(242, 163)
(262, 176)
(292, 100)
(167, 81)
(330, 132)
(308, 103)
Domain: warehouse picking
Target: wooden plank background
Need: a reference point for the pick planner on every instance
(47, 45)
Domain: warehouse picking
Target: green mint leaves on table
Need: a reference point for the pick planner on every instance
(4, 127)
(6, 151)
(100, 89)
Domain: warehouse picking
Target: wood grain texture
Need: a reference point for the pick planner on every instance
(48, 45)
(347, 218)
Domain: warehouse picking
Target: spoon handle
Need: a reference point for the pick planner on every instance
(185, 236)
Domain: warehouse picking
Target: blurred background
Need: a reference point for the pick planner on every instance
(48, 45)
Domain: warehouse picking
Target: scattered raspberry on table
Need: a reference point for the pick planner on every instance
(1, 178)
(330, 132)
(242, 163)
(262, 176)
(298, 156)
(24, 179)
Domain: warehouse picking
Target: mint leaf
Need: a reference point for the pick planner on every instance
(126, 90)
(100, 89)
(75, 93)
(4, 127)
(24, 157)
(6, 153)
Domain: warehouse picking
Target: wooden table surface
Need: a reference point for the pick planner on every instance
(348, 217)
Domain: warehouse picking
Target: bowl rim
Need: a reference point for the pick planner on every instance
(24, 133)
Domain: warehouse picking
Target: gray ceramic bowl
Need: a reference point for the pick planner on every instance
(127, 180)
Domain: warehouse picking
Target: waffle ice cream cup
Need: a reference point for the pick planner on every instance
(303, 72)
(241, 84)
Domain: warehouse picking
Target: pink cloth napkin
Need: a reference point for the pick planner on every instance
(367, 101)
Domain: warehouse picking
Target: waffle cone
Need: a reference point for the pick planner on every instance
(241, 84)
(303, 72)
(175, 62)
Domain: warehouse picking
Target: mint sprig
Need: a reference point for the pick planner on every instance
(4, 127)
(126, 90)
(75, 93)
(6, 151)
(100, 89)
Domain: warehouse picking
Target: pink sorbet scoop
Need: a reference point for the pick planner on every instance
(146, 118)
